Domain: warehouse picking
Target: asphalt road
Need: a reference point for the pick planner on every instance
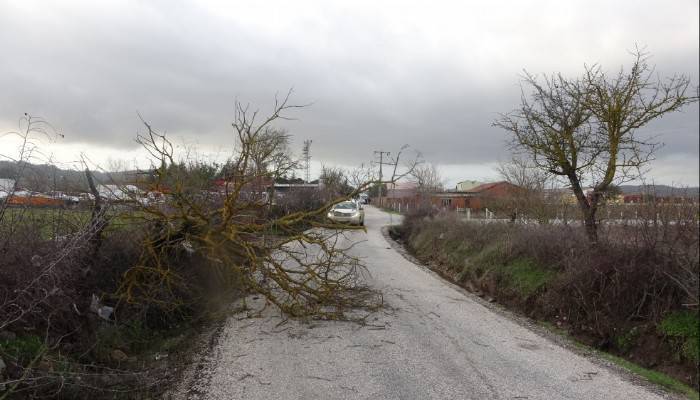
(433, 341)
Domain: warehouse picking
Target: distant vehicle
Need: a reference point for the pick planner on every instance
(363, 198)
(347, 212)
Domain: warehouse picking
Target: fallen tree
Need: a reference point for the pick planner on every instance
(305, 272)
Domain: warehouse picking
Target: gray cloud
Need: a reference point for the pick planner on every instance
(378, 76)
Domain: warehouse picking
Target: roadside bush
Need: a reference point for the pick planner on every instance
(683, 329)
(413, 219)
(39, 280)
(52, 338)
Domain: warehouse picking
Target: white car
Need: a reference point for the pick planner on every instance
(347, 212)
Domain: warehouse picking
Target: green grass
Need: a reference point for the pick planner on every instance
(423, 242)
(459, 253)
(526, 276)
(471, 261)
(22, 349)
(626, 340)
(656, 377)
(53, 222)
(682, 327)
(490, 256)
(47, 222)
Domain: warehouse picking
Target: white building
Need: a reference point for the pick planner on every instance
(6, 186)
(118, 193)
(466, 186)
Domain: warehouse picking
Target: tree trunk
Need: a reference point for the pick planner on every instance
(588, 208)
(591, 225)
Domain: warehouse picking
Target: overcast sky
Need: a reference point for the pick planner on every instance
(433, 74)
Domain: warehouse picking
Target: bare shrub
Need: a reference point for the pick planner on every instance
(671, 231)
(297, 200)
(48, 283)
(527, 200)
(415, 218)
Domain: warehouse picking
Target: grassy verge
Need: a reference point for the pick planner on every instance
(652, 376)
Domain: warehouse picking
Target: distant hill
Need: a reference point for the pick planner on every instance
(45, 177)
(661, 190)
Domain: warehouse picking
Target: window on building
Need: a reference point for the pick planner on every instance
(446, 202)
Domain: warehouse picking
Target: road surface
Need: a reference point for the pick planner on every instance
(433, 341)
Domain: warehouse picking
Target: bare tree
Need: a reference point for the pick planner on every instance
(271, 155)
(428, 181)
(586, 129)
(305, 272)
(359, 176)
(32, 131)
(428, 178)
(336, 183)
(399, 167)
(528, 198)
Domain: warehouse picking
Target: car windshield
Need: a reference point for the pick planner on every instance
(348, 205)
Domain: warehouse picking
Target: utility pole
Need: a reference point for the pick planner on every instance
(381, 163)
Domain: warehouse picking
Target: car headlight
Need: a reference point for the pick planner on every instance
(330, 214)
